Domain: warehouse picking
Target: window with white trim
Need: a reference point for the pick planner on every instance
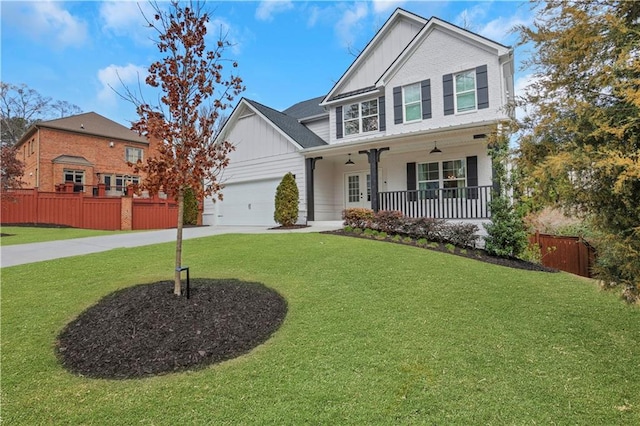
(453, 179)
(76, 177)
(361, 117)
(465, 91)
(412, 102)
(122, 181)
(428, 179)
(132, 155)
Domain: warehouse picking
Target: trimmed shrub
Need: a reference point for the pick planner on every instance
(358, 218)
(425, 227)
(395, 223)
(190, 213)
(286, 213)
(506, 234)
(461, 234)
(389, 221)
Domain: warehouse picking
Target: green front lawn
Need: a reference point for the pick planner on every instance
(376, 333)
(27, 234)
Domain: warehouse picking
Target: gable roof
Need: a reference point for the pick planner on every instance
(289, 126)
(398, 14)
(88, 123)
(306, 109)
(449, 27)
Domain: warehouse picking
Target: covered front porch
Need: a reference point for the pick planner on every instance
(407, 174)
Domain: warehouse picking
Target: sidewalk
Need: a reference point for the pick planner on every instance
(37, 252)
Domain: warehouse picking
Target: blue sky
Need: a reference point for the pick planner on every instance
(287, 51)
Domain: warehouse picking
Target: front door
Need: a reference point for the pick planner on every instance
(357, 190)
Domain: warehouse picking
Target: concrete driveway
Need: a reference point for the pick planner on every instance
(37, 252)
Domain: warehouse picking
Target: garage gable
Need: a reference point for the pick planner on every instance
(258, 132)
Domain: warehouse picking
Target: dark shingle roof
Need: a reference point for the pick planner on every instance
(306, 109)
(289, 125)
(93, 124)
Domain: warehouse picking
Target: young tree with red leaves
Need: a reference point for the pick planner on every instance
(182, 129)
(12, 169)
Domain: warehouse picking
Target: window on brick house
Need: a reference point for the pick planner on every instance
(76, 177)
(132, 155)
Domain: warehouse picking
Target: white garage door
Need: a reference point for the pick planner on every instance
(247, 203)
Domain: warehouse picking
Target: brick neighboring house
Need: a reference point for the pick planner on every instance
(85, 150)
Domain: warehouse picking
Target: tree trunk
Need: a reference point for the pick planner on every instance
(177, 287)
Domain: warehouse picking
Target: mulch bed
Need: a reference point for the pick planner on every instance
(470, 253)
(146, 330)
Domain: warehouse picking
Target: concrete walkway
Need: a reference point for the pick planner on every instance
(37, 252)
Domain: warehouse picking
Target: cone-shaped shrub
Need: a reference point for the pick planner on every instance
(286, 213)
(190, 216)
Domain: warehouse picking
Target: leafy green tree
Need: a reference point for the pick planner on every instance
(581, 141)
(286, 212)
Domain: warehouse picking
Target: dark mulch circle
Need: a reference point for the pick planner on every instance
(282, 227)
(146, 330)
(469, 253)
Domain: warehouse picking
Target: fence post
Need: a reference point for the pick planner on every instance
(126, 212)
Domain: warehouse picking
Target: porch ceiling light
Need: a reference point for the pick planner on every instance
(349, 162)
(435, 149)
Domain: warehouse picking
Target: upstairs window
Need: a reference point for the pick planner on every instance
(132, 155)
(465, 86)
(412, 102)
(361, 117)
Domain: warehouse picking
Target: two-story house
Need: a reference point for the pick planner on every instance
(84, 150)
(405, 128)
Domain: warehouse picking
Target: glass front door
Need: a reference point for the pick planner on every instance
(357, 190)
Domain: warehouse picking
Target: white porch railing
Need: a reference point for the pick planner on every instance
(443, 203)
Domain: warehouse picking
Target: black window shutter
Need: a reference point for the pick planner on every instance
(447, 89)
(397, 105)
(472, 176)
(382, 113)
(412, 182)
(482, 87)
(425, 85)
(339, 122)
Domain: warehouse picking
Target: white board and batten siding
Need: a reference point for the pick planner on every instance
(381, 54)
(261, 159)
(433, 59)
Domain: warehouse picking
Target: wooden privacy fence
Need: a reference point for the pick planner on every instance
(80, 211)
(570, 254)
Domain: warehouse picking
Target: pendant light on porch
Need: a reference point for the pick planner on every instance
(349, 162)
(435, 149)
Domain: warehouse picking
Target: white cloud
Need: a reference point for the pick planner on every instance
(268, 8)
(500, 29)
(124, 18)
(51, 22)
(350, 23)
(114, 77)
(386, 6)
(468, 17)
(219, 28)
